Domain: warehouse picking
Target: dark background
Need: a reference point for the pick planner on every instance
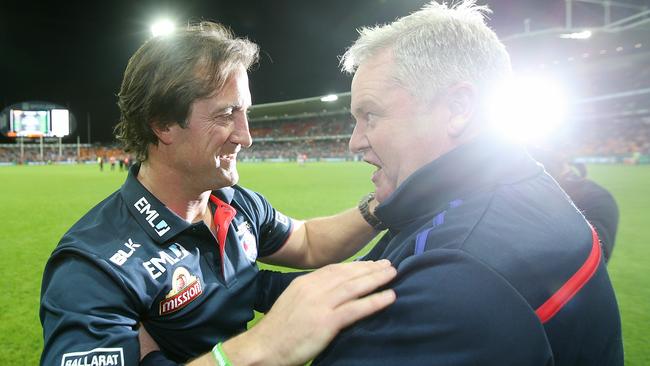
(74, 52)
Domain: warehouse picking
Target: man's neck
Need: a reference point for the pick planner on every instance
(176, 191)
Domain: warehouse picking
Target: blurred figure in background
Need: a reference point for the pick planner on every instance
(595, 202)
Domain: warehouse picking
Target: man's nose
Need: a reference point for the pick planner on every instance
(242, 135)
(358, 141)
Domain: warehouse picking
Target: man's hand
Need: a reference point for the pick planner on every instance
(312, 310)
(307, 316)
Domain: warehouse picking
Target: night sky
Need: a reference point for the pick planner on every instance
(74, 52)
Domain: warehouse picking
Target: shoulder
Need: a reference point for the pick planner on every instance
(103, 240)
(98, 227)
(97, 231)
(449, 307)
(452, 287)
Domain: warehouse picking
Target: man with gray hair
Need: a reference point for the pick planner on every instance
(495, 264)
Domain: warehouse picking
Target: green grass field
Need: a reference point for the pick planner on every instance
(38, 204)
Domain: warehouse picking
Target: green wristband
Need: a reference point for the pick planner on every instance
(219, 356)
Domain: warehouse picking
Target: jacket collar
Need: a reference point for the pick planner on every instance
(160, 223)
(479, 165)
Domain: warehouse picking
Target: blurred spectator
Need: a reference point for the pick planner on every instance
(595, 202)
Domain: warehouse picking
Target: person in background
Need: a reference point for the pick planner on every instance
(594, 201)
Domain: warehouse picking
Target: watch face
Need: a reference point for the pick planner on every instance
(370, 218)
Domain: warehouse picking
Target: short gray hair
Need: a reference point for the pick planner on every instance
(436, 47)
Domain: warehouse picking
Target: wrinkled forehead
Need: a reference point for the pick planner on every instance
(376, 73)
(375, 87)
(378, 64)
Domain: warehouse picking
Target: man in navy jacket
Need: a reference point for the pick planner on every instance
(495, 264)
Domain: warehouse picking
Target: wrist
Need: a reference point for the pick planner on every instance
(244, 350)
(367, 206)
(220, 356)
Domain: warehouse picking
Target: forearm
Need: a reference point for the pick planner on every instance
(335, 238)
(325, 240)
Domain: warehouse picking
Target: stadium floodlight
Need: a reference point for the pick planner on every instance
(329, 98)
(528, 110)
(162, 27)
(585, 34)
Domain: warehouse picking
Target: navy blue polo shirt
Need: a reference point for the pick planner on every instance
(130, 260)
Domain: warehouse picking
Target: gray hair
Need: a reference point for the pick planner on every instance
(436, 47)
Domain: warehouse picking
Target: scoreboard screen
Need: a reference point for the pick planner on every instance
(29, 123)
(36, 123)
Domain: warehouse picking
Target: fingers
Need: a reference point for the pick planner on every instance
(315, 307)
(361, 285)
(355, 310)
(335, 275)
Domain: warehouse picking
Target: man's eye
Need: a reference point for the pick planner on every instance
(225, 114)
(370, 118)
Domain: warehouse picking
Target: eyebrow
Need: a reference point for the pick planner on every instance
(364, 106)
(220, 109)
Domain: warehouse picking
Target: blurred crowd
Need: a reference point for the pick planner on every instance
(620, 136)
(313, 149)
(308, 127)
(613, 139)
(70, 153)
(623, 134)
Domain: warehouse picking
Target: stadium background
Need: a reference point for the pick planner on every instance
(47, 187)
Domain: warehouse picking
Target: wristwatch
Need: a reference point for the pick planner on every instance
(369, 216)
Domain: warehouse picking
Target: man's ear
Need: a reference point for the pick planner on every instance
(461, 103)
(163, 132)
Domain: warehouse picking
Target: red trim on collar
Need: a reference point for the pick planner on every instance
(571, 287)
(222, 217)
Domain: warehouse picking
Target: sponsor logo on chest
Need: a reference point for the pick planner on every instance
(156, 266)
(95, 357)
(247, 240)
(185, 288)
(121, 256)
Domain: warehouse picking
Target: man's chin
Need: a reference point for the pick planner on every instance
(226, 178)
(382, 193)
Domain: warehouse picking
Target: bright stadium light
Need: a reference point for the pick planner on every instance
(528, 109)
(329, 98)
(162, 27)
(586, 34)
